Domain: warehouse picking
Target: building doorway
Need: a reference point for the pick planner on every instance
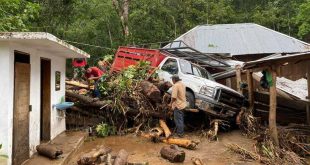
(45, 126)
(21, 108)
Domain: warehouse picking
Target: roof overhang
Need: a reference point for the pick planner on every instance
(277, 60)
(43, 42)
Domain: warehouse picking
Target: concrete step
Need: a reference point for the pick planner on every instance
(69, 142)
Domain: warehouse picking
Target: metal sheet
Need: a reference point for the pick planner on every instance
(240, 39)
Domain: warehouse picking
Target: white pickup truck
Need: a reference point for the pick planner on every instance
(202, 91)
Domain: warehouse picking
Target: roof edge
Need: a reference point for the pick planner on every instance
(40, 36)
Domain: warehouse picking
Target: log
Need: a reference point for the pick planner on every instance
(172, 154)
(49, 151)
(150, 91)
(84, 112)
(86, 100)
(185, 143)
(133, 112)
(92, 156)
(77, 84)
(121, 158)
(182, 142)
(166, 129)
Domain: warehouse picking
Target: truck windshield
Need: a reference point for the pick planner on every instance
(189, 68)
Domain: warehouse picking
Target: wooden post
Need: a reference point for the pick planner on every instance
(308, 104)
(250, 88)
(273, 108)
(238, 78)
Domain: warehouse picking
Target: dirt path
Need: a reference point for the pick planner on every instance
(142, 150)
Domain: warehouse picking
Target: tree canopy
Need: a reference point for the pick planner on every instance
(111, 23)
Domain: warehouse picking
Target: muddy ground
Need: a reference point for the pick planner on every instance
(142, 150)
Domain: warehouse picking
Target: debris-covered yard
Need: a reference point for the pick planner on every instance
(131, 122)
(141, 150)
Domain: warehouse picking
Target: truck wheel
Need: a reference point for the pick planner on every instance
(190, 98)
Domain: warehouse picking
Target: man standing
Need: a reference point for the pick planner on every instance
(94, 74)
(178, 104)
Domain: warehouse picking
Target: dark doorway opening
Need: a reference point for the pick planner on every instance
(21, 108)
(45, 126)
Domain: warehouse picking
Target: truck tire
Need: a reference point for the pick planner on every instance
(190, 98)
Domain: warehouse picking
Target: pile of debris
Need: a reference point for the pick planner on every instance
(293, 143)
(129, 99)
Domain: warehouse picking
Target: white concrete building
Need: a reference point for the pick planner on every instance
(32, 70)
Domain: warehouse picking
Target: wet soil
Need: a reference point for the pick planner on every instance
(142, 150)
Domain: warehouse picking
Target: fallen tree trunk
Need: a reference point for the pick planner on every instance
(49, 151)
(172, 154)
(185, 143)
(133, 112)
(77, 84)
(80, 110)
(151, 91)
(121, 158)
(86, 100)
(164, 126)
(92, 156)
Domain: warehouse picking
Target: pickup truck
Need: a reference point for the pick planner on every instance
(202, 92)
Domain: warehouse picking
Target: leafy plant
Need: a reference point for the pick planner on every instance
(104, 130)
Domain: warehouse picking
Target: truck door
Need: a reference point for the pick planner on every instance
(169, 68)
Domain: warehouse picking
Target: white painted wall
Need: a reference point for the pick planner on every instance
(6, 100)
(6, 103)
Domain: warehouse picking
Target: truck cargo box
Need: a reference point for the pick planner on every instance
(126, 56)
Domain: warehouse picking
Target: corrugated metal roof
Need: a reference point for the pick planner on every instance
(240, 39)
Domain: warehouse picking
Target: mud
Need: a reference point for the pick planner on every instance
(142, 150)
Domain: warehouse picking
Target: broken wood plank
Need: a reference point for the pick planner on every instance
(250, 89)
(172, 154)
(121, 158)
(49, 150)
(238, 78)
(166, 129)
(273, 108)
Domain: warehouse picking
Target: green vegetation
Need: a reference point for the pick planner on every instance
(101, 23)
(104, 130)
